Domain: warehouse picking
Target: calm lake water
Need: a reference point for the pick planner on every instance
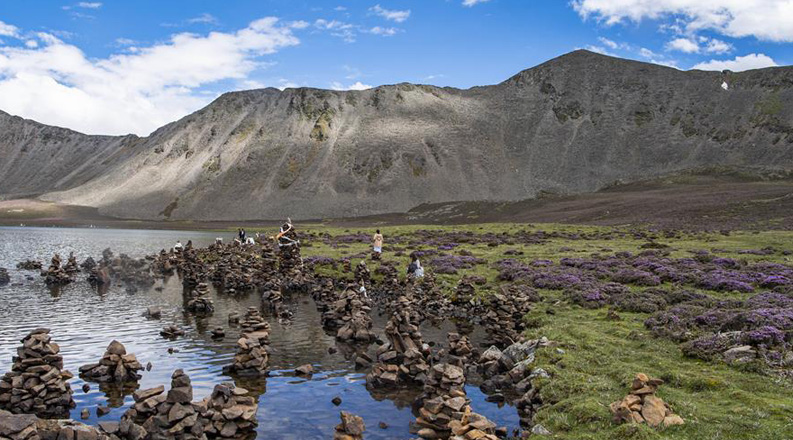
(83, 322)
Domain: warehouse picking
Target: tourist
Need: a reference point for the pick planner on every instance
(414, 269)
(178, 246)
(241, 235)
(377, 245)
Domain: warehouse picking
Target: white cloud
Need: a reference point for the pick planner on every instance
(609, 43)
(764, 19)
(747, 62)
(89, 5)
(386, 32)
(58, 84)
(718, 46)
(203, 18)
(8, 30)
(599, 49)
(299, 24)
(469, 3)
(31, 43)
(355, 86)
(340, 8)
(686, 45)
(337, 28)
(393, 15)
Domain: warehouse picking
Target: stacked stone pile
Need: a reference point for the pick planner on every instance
(228, 412)
(324, 294)
(4, 277)
(350, 315)
(465, 292)
(157, 415)
(445, 411)
(99, 276)
(29, 265)
(71, 264)
(641, 405)
(37, 383)
(362, 274)
(55, 275)
(504, 319)
(404, 359)
(252, 358)
(88, 264)
(199, 300)
(289, 261)
(350, 428)
(30, 427)
(115, 366)
(460, 349)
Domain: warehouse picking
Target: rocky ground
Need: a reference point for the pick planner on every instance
(572, 314)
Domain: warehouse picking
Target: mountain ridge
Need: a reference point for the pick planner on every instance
(573, 124)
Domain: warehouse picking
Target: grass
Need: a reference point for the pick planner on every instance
(597, 358)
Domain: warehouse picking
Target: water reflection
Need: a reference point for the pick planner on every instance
(84, 319)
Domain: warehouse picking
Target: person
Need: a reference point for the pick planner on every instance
(241, 235)
(377, 244)
(250, 241)
(414, 269)
(178, 246)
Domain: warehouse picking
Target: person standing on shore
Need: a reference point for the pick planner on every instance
(377, 245)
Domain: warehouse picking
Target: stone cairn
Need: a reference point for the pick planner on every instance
(115, 366)
(4, 278)
(228, 412)
(71, 266)
(350, 428)
(445, 411)
(504, 319)
(252, 358)
(157, 415)
(37, 383)
(460, 349)
(404, 359)
(362, 274)
(350, 315)
(29, 265)
(324, 294)
(289, 261)
(199, 301)
(55, 275)
(642, 406)
(30, 427)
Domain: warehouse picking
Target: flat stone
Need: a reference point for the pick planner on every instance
(653, 410)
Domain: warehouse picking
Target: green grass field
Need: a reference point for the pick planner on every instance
(599, 357)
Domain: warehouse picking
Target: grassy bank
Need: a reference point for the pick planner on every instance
(598, 357)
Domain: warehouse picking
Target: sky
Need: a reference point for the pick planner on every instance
(118, 67)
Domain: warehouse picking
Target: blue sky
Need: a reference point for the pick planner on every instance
(116, 67)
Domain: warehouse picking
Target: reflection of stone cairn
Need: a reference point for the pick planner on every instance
(158, 416)
(99, 276)
(350, 428)
(362, 275)
(445, 409)
(199, 300)
(252, 358)
(642, 406)
(36, 383)
(460, 349)
(289, 261)
(4, 278)
(230, 412)
(71, 264)
(55, 275)
(115, 366)
(404, 358)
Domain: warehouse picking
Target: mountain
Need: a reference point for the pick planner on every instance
(574, 124)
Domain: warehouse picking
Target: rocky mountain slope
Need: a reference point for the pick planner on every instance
(574, 124)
